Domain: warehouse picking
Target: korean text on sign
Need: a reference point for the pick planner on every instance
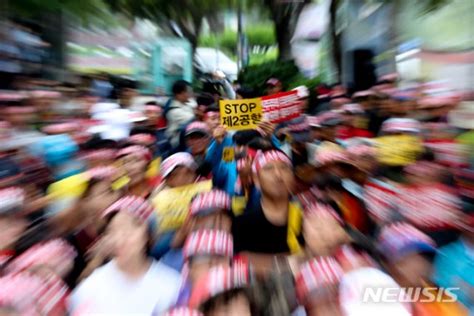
(281, 107)
(241, 114)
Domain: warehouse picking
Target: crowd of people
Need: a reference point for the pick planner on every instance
(142, 208)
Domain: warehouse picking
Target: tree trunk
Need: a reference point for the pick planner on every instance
(285, 18)
(335, 39)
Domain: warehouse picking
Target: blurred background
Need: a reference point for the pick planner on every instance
(153, 43)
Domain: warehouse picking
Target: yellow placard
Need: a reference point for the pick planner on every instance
(241, 114)
(172, 205)
(398, 150)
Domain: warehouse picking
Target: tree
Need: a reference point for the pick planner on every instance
(183, 18)
(285, 16)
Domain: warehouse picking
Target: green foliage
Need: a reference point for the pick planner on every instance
(83, 9)
(261, 35)
(269, 55)
(255, 76)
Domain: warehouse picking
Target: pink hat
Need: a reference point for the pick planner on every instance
(208, 202)
(55, 253)
(135, 150)
(11, 96)
(432, 102)
(153, 108)
(99, 154)
(361, 150)
(11, 199)
(353, 108)
(22, 293)
(209, 242)
(179, 159)
(142, 139)
(329, 153)
(19, 110)
(61, 128)
(219, 280)
(133, 205)
(323, 210)
(338, 102)
(102, 172)
(381, 200)
(45, 94)
(444, 209)
(266, 157)
(197, 127)
(423, 168)
(363, 94)
(400, 239)
(182, 311)
(389, 77)
(315, 275)
(314, 121)
(273, 82)
(401, 125)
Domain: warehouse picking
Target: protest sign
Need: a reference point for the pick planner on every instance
(281, 107)
(241, 114)
(398, 150)
(380, 199)
(172, 205)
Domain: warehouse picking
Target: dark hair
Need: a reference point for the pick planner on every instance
(245, 136)
(212, 108)
(246, 93)
(179, 86)
(260, 143)
(225, 298)
(205, 99)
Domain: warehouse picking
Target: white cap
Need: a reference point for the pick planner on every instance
(355, 301)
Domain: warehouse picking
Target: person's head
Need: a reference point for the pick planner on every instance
(272, 167)
(399, 126)
(99, 193)
(223, 291)
(30, 294)
(299, 130)
(205, 249)
(274, 85)
(317, 286)
(212, 117)
(130, 222)
(241, 140)
(197, 137)
(407, 253)
(127, 94)
(423, 172)
(245, 93)
(362, 155)
(211, 210)
(55, 256)
(19, 116)
(12, 223)
(203, 102)
(182, 91)
(134, 160)
(179, 169)
(153, 112)
(10, 172)
(329, 122)
(323, 230)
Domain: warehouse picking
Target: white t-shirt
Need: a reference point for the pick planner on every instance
(108, 291)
